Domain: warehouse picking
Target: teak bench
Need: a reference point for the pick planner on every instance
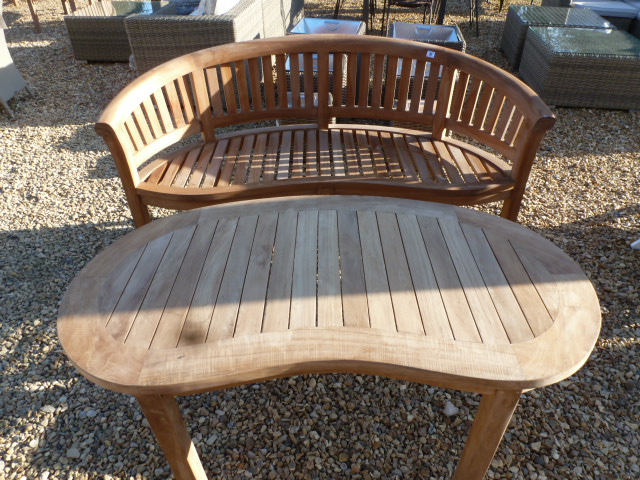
(413, 120)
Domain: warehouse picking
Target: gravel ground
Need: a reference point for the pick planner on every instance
(61, 203)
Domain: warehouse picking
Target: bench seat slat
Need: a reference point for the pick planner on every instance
(304, 153)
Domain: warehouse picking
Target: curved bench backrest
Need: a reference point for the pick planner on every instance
(379, 79)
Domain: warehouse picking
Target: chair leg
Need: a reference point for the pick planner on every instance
(492, 419)
(167, 424)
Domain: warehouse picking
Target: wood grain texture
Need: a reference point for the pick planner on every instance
(375, 81)
(454, 295)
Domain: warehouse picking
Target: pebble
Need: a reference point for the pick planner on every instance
(61, 203)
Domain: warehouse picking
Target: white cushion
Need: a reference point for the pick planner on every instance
(606, 8)
(214, 7)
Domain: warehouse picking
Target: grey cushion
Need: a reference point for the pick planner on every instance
(608, 8)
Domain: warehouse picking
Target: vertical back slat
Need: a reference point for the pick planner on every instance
(165, 116)
(418, 83)
(141, 121)
(215, 92)
(459, 95)
(256, 89)
(294, 80)
(338, 73)
(187, 101)
(352, 78)
(308, 80)
(152, 116)
(471, 102)
(174, 104)
(269, 90)
(390, 83)
(405, 81)
(378, 80)
(242, 87)
(281, 72)
(365, 77)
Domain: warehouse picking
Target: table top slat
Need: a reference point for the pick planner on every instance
(303, 291)
(148, 316)
(432, 310)
(196, 324)
(381, 315)
(484, 311)
(225, 312)
(329, 289)
(403, 296)
(354, 304)
(459, 314)
(127, 308)
(525, 292)
(513, 320)
(254, 293)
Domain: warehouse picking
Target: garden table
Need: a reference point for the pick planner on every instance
(248, 291)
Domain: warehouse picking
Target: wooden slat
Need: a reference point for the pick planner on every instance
(507, 113)
(338, 73)
(134, 134)
(152, 116)
(379, 162)
(352, 78)
(366, 160)
(244, 157)
(525, 292)
(257, 160)
(405, 80)
(180, 180)
(418, 83)
(277, 308)
(254, 80)
(448, 163)
(129, 303)
(363, 84)
(223, 320)
(432, 87)
(494, 110)
(459, 94)
(303, 289)
(226, 74)
(378, 80)
(211, 175)
(516, 122)
(198, 319)
(381, 315)
(187, 101)
(297, 160)
(480, 169)
(312, 168)
(230, 162)
(484, 312)
(254, 293)
(325, 154)
(202, 164)
(405, 304)
(471, 101)
(461, 161)
(269, 90)
(241, 85)
(167, 334)
(460, 317)
(483, 107)
(294, 76)
(419, 161)
(308, 80)
(506, 304)
(391, 155)
(329, 298)
(432, 309)
(352, 167)
(405, 158)
(173, 168)
(337, 154)
(152, 308)
(215, 91)
(354, 305)
(271, 157)
(284, 163)
(174, 104)
(433, 162)
(163, 111)
(390, 82)
(281, 80)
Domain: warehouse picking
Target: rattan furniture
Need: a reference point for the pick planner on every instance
(521, 17)
(157, 38)
(97, 32)
(581, 67)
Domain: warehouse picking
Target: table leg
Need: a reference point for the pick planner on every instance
(491, 421)
(166, 421)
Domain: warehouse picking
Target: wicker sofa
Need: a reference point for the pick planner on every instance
(157, 38)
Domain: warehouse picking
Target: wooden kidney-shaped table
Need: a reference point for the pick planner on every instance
(244, 292)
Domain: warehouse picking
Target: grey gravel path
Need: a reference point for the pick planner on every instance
(61, 203)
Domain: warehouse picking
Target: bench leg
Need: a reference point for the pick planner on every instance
(486, 433)
(166, 422)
